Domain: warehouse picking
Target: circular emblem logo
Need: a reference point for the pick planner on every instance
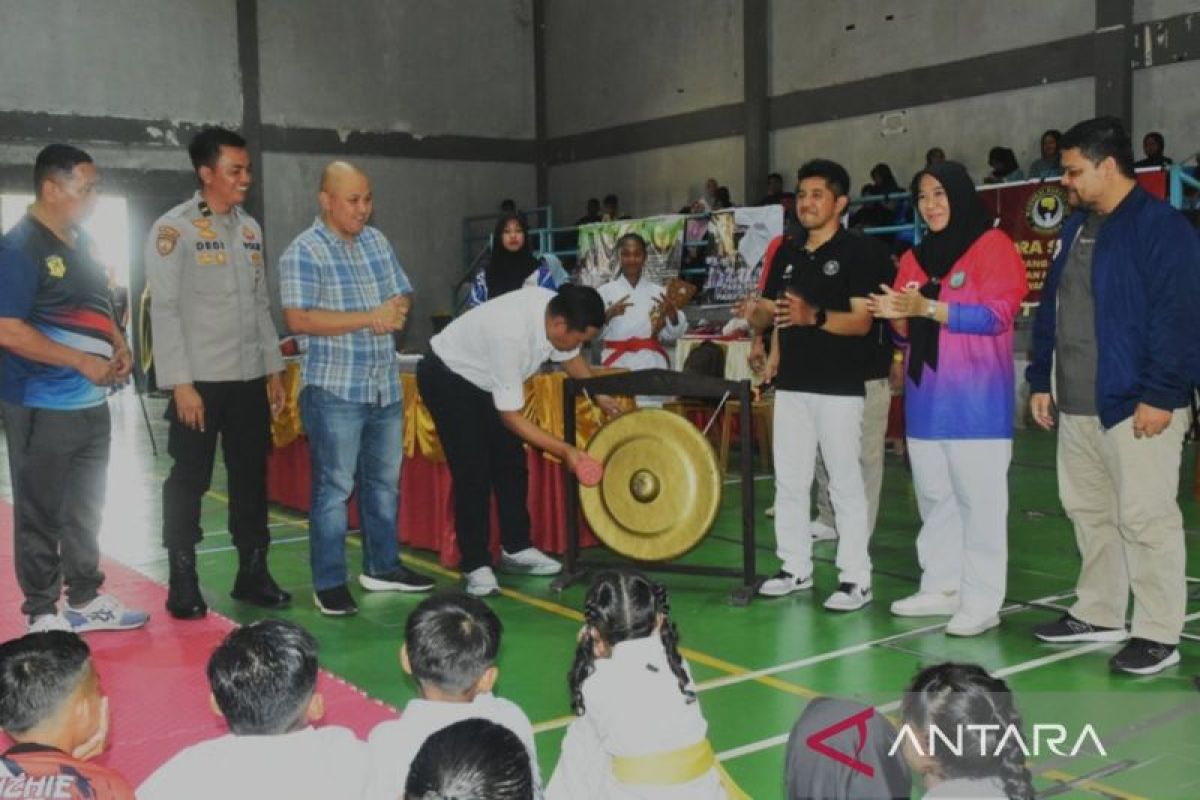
(957, 280)
(1046, 209)
(831, 268)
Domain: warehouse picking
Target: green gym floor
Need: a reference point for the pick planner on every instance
(756, 666)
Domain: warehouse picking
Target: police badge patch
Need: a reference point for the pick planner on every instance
(166, 239)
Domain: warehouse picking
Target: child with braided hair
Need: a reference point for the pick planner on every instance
(964, 700)
(639, 732)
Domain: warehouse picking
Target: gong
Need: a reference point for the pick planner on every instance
(661, 487)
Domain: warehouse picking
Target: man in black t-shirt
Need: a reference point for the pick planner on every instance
(820, 356)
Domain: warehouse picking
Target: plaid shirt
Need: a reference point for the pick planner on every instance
(323, 271)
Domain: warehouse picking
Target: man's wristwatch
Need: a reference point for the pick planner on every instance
(931, 309)
(819, 318)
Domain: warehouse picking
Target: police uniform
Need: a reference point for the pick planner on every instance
(213, 329)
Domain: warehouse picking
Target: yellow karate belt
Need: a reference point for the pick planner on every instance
(675, 767)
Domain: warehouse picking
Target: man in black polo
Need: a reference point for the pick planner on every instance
(61, 351)
(816, 292)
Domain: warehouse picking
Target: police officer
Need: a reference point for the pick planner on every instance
(216, 348)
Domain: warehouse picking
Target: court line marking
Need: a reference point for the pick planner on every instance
(569, 613)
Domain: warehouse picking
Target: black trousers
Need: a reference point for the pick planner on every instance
(58, 461)
(239, 412)
(483, 456)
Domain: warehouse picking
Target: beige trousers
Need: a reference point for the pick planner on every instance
(1121, 492)
(874, 429)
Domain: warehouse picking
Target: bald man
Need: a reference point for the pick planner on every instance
(345, 293)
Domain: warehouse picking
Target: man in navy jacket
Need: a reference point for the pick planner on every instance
(1115, 342)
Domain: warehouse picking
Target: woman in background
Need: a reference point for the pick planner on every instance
(512, 264)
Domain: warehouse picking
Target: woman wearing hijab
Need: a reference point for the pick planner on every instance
(512, 264)
(815, 775)
(954, 299)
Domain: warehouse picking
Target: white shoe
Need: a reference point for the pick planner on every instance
(849, 597)
(529, 561)
(770, 512)
(927, 604)
(104, 613)
(784, 583)
(962, 624)
(482, 582)
(44, 623)
(822, 532)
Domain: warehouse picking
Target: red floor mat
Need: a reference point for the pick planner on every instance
(155, 677)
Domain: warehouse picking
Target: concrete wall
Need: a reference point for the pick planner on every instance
(630, 60)
(427, 236)
(965, 129)
(826, 42)
(462, 68)
(651, 182)
(1149, 10)
(1167, 99)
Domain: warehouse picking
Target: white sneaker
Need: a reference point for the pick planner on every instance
(104, 613)
(822, 532)
(770, 512)
(962, 624)
(482, 582)
(529, 561)
(44, 623)
(784, 583)
(927, 604)
(849, 597)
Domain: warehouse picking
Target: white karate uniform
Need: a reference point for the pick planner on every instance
(635, 323)
(309, 764)
(394, 744)
(633, 708)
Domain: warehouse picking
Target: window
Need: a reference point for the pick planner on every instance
(108, 227)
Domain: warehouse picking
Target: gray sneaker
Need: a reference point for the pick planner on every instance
(44, 623)
(482, 582)
(784, 583)
(529, 561)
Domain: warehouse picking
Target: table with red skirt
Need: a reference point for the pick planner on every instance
(426, 512)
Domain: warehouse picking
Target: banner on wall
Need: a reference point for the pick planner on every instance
(599, 261)
(1033, 214)
(739, 239)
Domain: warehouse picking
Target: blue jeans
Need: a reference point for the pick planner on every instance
(352, 445)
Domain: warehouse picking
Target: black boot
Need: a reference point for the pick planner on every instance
(184, 600)
(254, 584)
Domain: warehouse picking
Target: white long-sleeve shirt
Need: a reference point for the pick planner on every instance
(635, 323)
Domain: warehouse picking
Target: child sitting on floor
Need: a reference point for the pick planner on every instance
(471, 760)
(450, 646)
(963, 699)
(51, 706)
(639, 732)
(263, 679)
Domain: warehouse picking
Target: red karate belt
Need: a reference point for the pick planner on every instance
(620, 347)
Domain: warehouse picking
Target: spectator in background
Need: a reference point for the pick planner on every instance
(512, 264)
(723, 199)
(53, 709)
(612, 209)
(774, 190)
(593, 213)
(710, 193)
(1005, 168)
(1154, 145)
(882, 212)
(508, 206)
(1049, 165)
(934, 155)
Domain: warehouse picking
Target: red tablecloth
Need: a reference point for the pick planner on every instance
(426, 518)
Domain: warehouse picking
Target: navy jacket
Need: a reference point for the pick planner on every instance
(1146, 289)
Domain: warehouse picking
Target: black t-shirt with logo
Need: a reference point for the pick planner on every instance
(813, 360)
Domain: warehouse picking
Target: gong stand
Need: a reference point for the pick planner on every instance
(662, 382)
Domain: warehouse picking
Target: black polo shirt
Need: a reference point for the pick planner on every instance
(812, 360)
